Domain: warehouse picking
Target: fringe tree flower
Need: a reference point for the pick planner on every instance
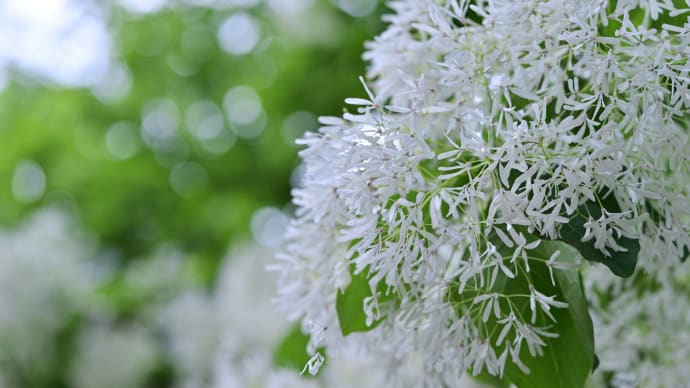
(45, 283)
(500, 143)
(108, 356)
(641, 327)
(232, 337)
(208, 333)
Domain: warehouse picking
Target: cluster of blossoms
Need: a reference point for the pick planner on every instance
(228, 338)
(491, 128)
(641, 326)
(44, 283)
(107, 355)
(208, 333)
(50, 274)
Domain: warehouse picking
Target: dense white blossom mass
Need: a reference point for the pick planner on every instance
(490, 127)
(228, 339)
(44, 283)
(643, 339)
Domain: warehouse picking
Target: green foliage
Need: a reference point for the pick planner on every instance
(569, 358)
(349, 303)
(129, 203)
(620, 263)
(291, 352)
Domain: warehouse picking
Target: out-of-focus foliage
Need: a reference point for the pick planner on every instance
(154, 166)
(163, 162)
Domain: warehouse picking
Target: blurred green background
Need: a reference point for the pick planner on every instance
(168, 160)
(164, 124)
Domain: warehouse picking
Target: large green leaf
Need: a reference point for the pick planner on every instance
(620, 263)
(291, 352)
(350, 303)
(568, 359)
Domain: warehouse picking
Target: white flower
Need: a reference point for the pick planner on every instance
(641, 327)
(513, 120)
(112, 357)
(226, 339)
(234, 319)
(44, 283)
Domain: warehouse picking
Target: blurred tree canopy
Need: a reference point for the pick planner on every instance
(168, 162)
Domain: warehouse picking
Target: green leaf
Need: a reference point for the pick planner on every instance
(291, 352)
(620, 263)
(349, 304)
(486, 380)
(568, 359)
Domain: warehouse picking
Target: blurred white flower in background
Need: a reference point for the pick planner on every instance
(190, 322)
(227, 338)
(641, 327)
(45, 282)
(158, 276)
(113, 357)
(221, 326)
(255, 369)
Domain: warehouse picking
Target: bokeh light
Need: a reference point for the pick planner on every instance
(28, 181)
(122, 139)
(188, 178)
(268, 226)
(239, 34)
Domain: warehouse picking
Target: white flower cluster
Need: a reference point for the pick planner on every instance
(490, 118)
(641, 326)
(44, 283)
(209, 333)
(110, 356)
(227, 339)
